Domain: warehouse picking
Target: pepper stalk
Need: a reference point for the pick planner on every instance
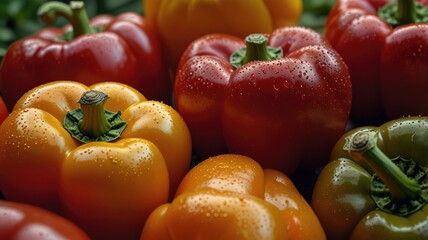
(91, 122)
(393, 190)
(94, 122)
(404, 12)
(75, 13)
(256, 49)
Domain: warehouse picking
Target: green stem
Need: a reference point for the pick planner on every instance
(91, 122)
(406, 11)
(256, 49)
(94, 122)
(401, 187)
(75, 13)
(403, 12)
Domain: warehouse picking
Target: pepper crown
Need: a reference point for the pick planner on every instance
(404, 12)
(75, 13)
(91, 122)
(399, 186)
(256, 49)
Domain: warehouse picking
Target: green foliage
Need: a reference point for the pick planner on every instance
(17, 19)
(315, 13)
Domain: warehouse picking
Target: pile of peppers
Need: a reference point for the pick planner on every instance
(103, 123)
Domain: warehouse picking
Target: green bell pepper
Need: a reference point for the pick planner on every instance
(376, 185)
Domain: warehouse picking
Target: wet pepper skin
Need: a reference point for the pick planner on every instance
(388, 66)
(232, 197)
(284, 113)
(107, 188)
(20, 221)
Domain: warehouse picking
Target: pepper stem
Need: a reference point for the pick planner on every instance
(94, 122)
(91, 122)
(404, 12)
(402, 188)
(256, 49)
(75, 13)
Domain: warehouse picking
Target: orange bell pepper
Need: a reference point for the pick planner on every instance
(107, 188)
(232, 197)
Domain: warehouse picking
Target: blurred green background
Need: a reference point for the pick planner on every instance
(18, 18)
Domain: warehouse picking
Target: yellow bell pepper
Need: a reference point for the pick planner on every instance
(181, 21)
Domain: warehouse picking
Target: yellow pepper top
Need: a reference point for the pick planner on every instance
(181, 21)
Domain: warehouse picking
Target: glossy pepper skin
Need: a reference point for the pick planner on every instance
(24, 221)
(180, 22)
(3, 110)
(232, 197)
(344, 197)
(124, 48)
(388, 66)
(107, 188)
(270, 110)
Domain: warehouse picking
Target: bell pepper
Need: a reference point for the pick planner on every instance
(23, 221)
(124, 48)
(105, 169)
(278, 95)
(376, 186)
(385, 45)
(3, 110)
(180, 22)
(231, 197)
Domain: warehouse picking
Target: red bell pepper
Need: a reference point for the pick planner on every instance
(3, 110)
(24, 221)
(385, 45)
(124, 49)
(296, 96)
